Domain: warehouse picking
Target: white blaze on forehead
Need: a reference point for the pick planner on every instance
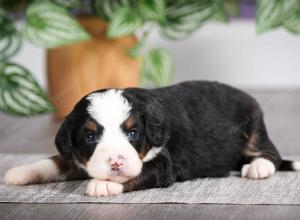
(109, 108)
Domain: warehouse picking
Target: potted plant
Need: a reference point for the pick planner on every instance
(72, 28)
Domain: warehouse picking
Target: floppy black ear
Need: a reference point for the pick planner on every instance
(63, 139)
(156, 127)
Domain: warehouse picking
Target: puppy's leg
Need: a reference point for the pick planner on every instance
(104, 188)
(260, 153)
(156, 173)
(47, 170)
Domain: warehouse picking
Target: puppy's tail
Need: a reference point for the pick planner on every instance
(288, 165)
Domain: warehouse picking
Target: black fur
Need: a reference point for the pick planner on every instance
(66, 140)
(63, 140)
(204, 128)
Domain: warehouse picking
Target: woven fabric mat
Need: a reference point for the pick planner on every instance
(282, 188)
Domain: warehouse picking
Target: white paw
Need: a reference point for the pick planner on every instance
(260, 168)
(103, 188)
(22, 175)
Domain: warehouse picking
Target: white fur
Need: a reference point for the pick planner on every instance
(38, 172)
(260, 168)
(296, 166)
(152, 154)
(110, 109)
(103, 188)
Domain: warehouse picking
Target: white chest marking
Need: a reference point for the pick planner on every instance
(152, 154)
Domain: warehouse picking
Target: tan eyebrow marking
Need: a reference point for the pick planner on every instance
(91, 125)
(130, 122)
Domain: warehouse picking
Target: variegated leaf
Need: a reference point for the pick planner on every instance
(185, 16)
(153, 9)
(49, 25)
(292, 23)
(19, 93)
(105, 9)
(71, 4)
(125, 22)
(157, 67)
(271, 13)
(10, 41)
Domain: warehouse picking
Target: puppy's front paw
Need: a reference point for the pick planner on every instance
(103, 188)
(22, 175)
(258, 169)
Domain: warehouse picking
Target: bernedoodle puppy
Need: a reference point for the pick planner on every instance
(133, 139)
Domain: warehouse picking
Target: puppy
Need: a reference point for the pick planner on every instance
(135, 139)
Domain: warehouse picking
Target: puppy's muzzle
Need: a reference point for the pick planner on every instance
(114, 164)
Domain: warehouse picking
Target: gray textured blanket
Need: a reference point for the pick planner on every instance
(282, 188)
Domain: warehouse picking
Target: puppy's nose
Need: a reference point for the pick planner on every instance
(116, 163)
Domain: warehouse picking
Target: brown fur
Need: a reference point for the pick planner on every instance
(60, 163)
(68, 170)
(131, 184)
(251, 149)
(144, 151)
(130, 122)
(91, 125)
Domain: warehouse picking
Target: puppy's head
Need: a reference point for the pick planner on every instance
(110, 136)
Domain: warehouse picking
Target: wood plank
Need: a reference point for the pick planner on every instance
(147, 211)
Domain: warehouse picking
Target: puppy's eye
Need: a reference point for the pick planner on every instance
(132, 134)
(90, 138)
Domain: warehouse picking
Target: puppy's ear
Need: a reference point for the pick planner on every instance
(63, 139)
(156, 128)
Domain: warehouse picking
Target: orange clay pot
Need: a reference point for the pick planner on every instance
(74, 71)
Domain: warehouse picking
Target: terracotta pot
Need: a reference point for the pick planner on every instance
(74, 71)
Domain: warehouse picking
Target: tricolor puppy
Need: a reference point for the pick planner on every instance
(134, 139)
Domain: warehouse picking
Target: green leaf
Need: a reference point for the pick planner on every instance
(125, 22)
(20, 94)
(220, 15)
(271, 14)
(157, 67)
(49, 25)
(292, 23)
(134, 51)
(186, 16)
(70, 4)
(154, 10)
(10, 41)
(106, 9)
